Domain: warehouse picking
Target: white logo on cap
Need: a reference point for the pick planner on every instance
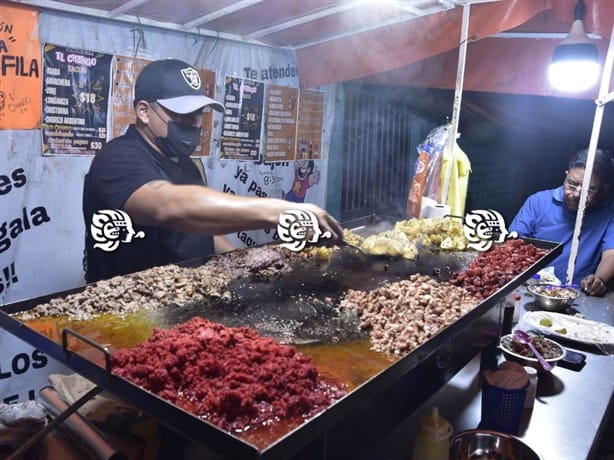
(191, 77)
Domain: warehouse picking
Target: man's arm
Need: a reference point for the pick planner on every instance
(198, 209)
(597, 284)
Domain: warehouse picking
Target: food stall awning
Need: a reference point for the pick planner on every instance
(407, 42)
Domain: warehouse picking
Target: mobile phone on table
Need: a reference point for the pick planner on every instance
(573, 360)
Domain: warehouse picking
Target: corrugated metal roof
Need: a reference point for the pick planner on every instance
(279, 23)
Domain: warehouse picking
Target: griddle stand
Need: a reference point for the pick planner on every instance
(74, 407)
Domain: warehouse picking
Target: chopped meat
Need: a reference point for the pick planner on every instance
(232, 377)
(403, 315)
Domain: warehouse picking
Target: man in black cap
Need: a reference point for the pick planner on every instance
(149, 179)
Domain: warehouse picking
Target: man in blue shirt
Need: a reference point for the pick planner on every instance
(551, 215)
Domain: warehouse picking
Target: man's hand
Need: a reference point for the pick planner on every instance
(327, 222)
(593, 285)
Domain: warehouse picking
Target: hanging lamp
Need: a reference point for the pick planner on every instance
(575, 62)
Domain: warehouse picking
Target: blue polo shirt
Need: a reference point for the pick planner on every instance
(544, 216)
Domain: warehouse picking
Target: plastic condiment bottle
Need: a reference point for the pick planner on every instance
(432, 442)
(532, 389)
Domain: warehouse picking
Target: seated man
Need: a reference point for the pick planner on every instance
(551, 215)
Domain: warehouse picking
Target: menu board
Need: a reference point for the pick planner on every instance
(242, 125)
(310, 122)
(76, 95)
(280, 124)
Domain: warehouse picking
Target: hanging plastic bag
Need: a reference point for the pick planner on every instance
(426, 181)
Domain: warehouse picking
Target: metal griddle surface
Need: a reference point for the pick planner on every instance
(302, 306)
(299, 307)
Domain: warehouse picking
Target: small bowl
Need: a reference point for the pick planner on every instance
(529, 361)
(552, 297)
(474, 444)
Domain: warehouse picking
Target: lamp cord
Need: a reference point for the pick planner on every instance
(580, 10)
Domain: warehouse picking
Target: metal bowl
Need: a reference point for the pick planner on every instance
(489, 445)
(552, 297)
(525, 360)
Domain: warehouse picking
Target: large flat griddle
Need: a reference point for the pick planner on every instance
(301, 307)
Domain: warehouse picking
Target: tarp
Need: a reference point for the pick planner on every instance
(424, 51)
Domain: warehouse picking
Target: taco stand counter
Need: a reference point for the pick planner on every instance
(571, 410)
(567, 421)
(559, 416)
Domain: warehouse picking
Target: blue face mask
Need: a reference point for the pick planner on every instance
(180, 140)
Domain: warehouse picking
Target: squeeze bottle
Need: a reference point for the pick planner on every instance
(432, 442)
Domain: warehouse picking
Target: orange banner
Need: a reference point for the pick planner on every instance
(20, 69)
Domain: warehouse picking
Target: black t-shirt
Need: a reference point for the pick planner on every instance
(119, 169)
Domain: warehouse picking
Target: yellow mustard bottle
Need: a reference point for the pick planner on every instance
(432, 442)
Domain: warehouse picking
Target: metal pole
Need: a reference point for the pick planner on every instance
(602, 99)
(458, 93)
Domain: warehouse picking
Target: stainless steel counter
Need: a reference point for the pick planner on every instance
(570, 411)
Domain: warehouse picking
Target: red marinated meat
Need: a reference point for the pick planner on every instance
(231, 377)
(492, 269)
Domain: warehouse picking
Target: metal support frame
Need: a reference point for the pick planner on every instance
(458, 93)
(52, 425)
(604, 97)
(17, 455)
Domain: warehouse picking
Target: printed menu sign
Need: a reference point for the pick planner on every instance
(310, 122)
(244, 100)
(75, 100)
(282, 109)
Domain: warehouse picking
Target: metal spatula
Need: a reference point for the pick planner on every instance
(354, 246)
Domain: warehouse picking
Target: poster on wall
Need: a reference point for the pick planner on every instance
(125, 71)
(310, 122)
(20, 73)
(207, 78)
(280, 123)
(242, 125)
(75, 103)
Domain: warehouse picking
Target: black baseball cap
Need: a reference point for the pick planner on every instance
(175, 85)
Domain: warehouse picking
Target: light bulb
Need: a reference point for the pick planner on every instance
(575, 62)
(572, 75)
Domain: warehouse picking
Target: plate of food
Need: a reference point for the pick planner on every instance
(553, 297)
(519, 352)
(569, 327)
